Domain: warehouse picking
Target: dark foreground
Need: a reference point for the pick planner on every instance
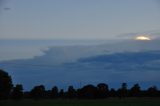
(105, 102)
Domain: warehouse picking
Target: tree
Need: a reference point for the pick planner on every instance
(123, 92)
(61, 93)
(102, 90)
(38, 92)
(5, 85)
(112, 93)
(88, 92)
(135, 90)
(71, 92)
(17, 92)
(152, 91)
(54, 92)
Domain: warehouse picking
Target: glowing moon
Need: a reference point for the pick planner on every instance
(142, 38)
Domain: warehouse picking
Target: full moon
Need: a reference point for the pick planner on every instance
(142, 38)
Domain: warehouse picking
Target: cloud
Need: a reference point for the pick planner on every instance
(155, 34)
(127, 61)
(115, 67)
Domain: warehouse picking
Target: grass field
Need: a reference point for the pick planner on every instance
(106, 102)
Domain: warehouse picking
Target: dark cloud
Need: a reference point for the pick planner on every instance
(6, 8)
(125, 61)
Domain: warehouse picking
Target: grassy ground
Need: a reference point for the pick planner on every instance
(106, 102)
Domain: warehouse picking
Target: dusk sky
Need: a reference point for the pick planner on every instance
(77, 19)
(65, 42)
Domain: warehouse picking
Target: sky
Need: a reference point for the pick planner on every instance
(77, 19)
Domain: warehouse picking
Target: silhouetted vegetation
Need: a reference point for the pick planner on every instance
(101, 91)
(71, 93)
(54, 92)
(38, 92)
(135, 91)
(17, 92)
(5, 85)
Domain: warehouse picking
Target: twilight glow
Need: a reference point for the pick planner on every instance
(142, 38)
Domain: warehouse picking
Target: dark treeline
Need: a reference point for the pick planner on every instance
(101, 91)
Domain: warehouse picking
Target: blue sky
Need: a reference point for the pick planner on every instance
(77, 19)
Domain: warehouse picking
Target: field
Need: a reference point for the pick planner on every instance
(106, 102)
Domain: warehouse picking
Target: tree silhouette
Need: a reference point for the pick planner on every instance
(5, 84)
(54, 92)
(17, 92)
(61, 93)
(135, 90)
(123, 92)
(112, 93)
(102, 90)
(88, 92)
(71, 92)
(38, 92)
(152, 91)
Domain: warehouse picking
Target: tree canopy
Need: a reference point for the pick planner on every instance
(5, 84)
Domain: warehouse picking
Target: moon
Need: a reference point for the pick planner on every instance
(141, 37)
